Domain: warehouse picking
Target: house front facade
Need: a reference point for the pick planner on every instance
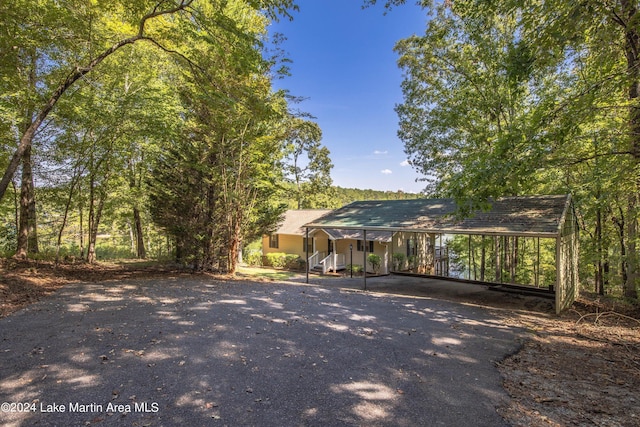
(327, 250)
(290, 237)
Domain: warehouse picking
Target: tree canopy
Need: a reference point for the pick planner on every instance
(156, 118)
(511, 98)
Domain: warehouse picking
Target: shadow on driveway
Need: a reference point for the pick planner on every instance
(198, 351)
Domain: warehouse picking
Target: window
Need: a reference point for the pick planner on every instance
(360, 246)
(273, 241)
(411, 248)
(307, 246)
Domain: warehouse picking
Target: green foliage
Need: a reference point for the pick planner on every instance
(8, 235)
(502, 99)
(411, 261)
(516, 261)
(374, 260)
(282, 260)
(343, 196)
(252, 257)
(354, 268)
(307, 163)
(143, 78)
(398, 261)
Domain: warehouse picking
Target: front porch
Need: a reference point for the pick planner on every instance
(324, 264)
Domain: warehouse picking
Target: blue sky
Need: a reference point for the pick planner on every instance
(344, 64)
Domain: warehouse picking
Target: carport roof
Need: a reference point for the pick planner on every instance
(535, 216)
(340, 234)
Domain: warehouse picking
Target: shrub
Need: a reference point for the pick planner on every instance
(253, 257)
(275, 259)
(398, 261)
(357, 269)
(293, 262)
(412, 261)
(374, 260)
(282, 260)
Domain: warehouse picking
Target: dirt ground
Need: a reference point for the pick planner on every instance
(580, 368)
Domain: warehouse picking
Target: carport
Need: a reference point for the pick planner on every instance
(550, 219)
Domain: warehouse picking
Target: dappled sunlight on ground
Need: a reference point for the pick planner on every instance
(375, 401)
(258, 354)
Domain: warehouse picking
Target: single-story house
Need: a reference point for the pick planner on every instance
(290, 237)
(327, 249)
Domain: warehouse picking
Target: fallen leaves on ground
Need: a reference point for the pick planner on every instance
(23, 282)
(581, 368)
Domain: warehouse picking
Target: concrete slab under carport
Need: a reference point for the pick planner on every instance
(446, 290)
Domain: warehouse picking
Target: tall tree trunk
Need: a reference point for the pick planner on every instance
(139, 232)
(95, 212)
(599, 273)
(27, 237)
(23, 227)
(27, 232)
(632, 53)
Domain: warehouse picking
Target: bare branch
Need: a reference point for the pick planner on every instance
(184, 4)
(75, 74)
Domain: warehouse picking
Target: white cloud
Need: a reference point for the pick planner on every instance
(380, 153)
(386, 171)
(405, 163)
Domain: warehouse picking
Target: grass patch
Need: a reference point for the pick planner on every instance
(265, 272)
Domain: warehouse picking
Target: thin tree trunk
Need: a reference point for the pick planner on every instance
(23, 227)
(32, 223)
(132, 238)
(598, 267)
(16, 205)
(139, 232)
(483, 261)
(67, 207)
(95, 213)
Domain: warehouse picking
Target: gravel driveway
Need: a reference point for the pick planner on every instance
(197, 351)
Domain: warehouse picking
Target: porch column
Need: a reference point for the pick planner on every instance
(307, 252)
(365, 259)
(386, 259)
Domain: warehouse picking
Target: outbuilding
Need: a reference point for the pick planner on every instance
(507, 227)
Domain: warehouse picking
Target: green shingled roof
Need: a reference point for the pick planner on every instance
(525, 216)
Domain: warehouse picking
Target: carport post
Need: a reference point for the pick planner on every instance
(307, 251)
(365, 259)
(538, 265)
(469, 256)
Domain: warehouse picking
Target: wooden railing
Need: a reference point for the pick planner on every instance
(332, 262)
(315, 259)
